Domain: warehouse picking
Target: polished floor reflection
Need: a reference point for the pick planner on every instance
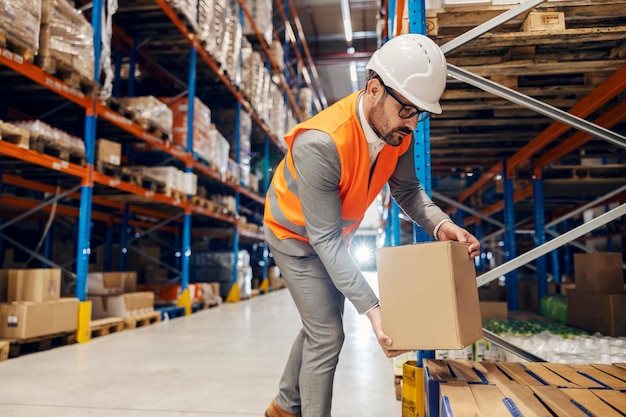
(225, 361)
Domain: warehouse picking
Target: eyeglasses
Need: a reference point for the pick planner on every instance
(407, 110)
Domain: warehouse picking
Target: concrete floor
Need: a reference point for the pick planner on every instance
(224, 361)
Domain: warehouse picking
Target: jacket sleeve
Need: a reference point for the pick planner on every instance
(318, 171)
(411, 197)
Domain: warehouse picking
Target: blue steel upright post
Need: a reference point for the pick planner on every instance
(83, 250)
(509, 238)
(185, 299)
(266, 183)
(540, 238)
(421, 151)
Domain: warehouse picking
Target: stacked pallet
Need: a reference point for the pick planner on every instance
(19, 26)
(66, 44)
(49, 140)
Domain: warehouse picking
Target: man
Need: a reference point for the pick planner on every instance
(336, 164)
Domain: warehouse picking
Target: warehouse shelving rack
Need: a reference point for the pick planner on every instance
(563, 121)
(88, 176)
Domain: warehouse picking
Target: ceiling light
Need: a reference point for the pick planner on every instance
(353, 79)
(347, 20)
(351, 50)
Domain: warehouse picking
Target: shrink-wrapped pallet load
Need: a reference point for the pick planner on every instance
(19, 23)
(65, 40)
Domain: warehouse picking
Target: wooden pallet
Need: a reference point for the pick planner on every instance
(175, 194)
(52, 147)
(4, 350)
(106, 326)
(66, 73)
(17, 46)
(202, 202)
(146, 124)
(19, 347)
(14, 134)
(142, 320)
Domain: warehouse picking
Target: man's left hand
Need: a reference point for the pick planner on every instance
(450, 231)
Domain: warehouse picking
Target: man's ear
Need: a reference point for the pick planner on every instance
(373, 86)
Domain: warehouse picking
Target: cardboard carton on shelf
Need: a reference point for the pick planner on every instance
(599, 272)
(25, 319)
(34, 285)
(428, 296)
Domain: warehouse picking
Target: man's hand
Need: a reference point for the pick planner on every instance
(383, 340)
(450, 231)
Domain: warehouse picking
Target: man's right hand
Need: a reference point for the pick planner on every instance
(383, 340)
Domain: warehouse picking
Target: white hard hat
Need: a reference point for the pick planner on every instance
(415, 66)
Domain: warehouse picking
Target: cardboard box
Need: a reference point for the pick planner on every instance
(604, 313)
(123, 305)
(494, 310)
(24, 319)
(105, 283)
(599, 272)
(35, 285)
(65, 315)
(428, 296)
(108, 151)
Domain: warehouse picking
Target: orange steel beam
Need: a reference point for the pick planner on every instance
(519, 195)
(608, 89)
(134, 189)
(51, 189)
(608, 120)
(16, 63)
(600, 95)
(398, 16)
(283, 82)
(26, 203)
(46, 161)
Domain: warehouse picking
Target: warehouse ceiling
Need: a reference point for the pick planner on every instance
(477, 130)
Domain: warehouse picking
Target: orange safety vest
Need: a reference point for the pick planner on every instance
(283, 210)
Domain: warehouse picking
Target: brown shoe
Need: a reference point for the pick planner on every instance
(275, 411)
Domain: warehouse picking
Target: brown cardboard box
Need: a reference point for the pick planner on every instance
(130, 281)
(36, 285)
(108, 151)
(604, 313)
(105, 283)
(428, 296)
(24, 319)
(123, 305)
(493, 310)
(66, 315)
(599, 272)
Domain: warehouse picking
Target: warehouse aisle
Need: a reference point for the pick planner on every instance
(224, 361)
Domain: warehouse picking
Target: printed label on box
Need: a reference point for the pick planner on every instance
(12, 321)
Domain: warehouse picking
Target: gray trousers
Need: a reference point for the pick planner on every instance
(307, 382)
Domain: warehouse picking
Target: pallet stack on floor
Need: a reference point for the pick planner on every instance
(456, 388)
(33, 315)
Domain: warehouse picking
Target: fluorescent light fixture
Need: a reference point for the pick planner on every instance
(347, 20)
(353, 79)
(353, 71)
